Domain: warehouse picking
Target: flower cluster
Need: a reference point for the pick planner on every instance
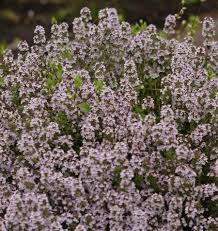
(101, 129)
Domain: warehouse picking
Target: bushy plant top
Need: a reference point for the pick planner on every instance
(106, 128)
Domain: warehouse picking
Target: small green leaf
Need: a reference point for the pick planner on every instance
(50, 83)
(73, 96)
(163, 34)
(78, 81)
(169, 154)
(3, 46)
(63, 122)
(138, 27)
(116, 176)
(68, 89)
(29, 185)
(15, 95)
(45, 213)
(99, 84)
(59, 72)
(84, 107)
(1, 81)
(192, 25)
(20, 158)
(210, 71)
(53, 76)
(52, 65)
(121, 18)
(190, 2)
(66, 54)
(138, 110)
(213, 94)
(138, 88)
(153, 183)
(54, 20)
(138, 180)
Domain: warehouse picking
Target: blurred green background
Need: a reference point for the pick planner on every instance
(19, 17)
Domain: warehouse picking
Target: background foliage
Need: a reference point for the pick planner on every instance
(19, 17)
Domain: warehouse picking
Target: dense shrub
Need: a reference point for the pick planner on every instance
(101, 129)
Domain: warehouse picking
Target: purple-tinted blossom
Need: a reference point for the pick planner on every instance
(104, 130)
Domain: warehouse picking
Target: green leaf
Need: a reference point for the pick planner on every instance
(53, 76)
(15, 95)
(29, 185)
(1, 81)
(190, 2)
(121, 18)
(66, 54)
(99, 84)
(153, 183)
(78, 81)
(116, 176)
(213, 94)
(54, 20)
(52, 65)
(20, 158)
(59, 72)
(138, 180)
(84, 107)
(138, 110)
(68, 89)
(192, 25)
(163, 34)
(138, 88)
(3, 46)
(138, 27)
(169, 154)
(210, 71)
(64, 124)
(73, 96)
(50, 83)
